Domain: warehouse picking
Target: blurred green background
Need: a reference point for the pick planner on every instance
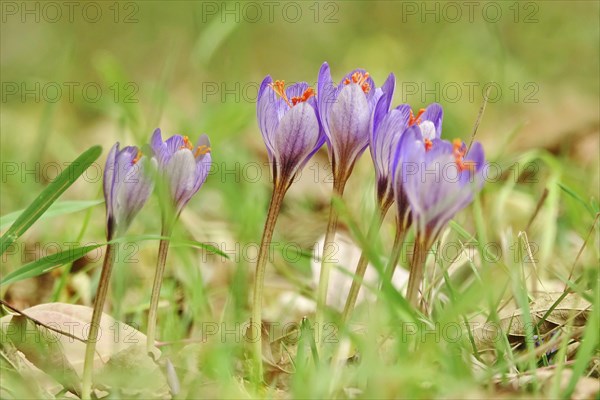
(194, 67)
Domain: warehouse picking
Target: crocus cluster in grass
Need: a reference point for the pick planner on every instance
(405, 146)
(129, 175)
(410, 160)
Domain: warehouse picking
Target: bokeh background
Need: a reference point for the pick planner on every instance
(195, 67)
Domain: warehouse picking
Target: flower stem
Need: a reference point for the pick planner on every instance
(395, 256)
(90, 348)
(259, 278)
(416, 272)
(163, 249)
(328, 252)
(361, 267)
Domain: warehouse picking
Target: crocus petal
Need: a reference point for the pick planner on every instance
(267, 113)
(408, 155)
(349, 120)
(173, 144)
(159, 148)
(156, 141)
(123, 163)
(326, 96)
(181, 174)
(295, 139)
(109, 179)
(410, 148)
(389, 132)
(434, 113)
(134, 190)
(383, 104)
(203, 162)
(202, 170)
(476, 155)
(389, 86)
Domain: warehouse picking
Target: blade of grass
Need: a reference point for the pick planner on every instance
(589, 346)
(576, 196)
(55, 210)
(522, 298)
(48, 196)
(47, 264)
(53, 261)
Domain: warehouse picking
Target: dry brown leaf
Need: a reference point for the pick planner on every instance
(43, 350)
(132, 373)
(573, 310)
(113, 337)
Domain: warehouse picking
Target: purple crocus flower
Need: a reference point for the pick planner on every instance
(290, 127)
(387, 130)
(438, 180)
(182, 165)
(127, 185)
(345, 111)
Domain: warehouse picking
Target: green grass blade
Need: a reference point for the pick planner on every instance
(48, 196)
(175, 243)
(589, 346)
(577, 197)
(57, 260)
(199, 245)
(56, 209)
(48, 263)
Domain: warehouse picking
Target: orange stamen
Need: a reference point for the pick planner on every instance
(428, 144)
(186, 144)
(308, 93)
(201, 150)
(412, 119)
(137, 157)
(460, 151)
(279, 88)
(360, 79)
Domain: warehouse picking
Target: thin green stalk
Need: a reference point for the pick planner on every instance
(90, 348)
(328, 253)
(396, 251)
(416, 271)
(361, 267)
(163, 249)
(259, 278)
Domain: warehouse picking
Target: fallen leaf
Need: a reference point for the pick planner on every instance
(44, 351)
(132, 373)
(113, 335)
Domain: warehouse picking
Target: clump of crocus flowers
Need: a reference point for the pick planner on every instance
(405, 146)
(179, 169)
(295, 122)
